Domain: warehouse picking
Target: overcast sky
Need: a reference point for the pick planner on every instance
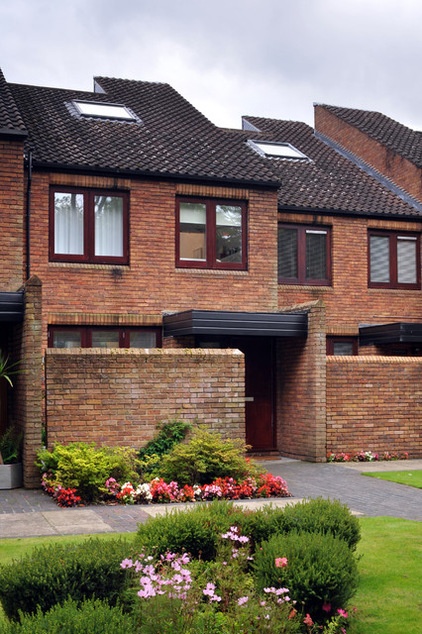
(272, 58)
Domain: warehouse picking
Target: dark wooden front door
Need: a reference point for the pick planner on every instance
(259, 391)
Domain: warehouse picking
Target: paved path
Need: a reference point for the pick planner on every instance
(28, 513)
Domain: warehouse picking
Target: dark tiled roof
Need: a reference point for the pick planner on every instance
(327, 181)
(395, 136)
(11, 122)
(172, 138)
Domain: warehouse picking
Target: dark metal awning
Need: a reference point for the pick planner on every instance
(217, 322)
(399, 332)
(11, 307)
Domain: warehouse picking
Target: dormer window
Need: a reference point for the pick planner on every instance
(104, 110)
(277, 150)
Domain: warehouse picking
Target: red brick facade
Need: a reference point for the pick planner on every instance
(348, 300)
(12, 197)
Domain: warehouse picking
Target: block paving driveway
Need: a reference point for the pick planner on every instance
(30, 513)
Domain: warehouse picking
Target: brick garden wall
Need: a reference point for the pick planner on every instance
(117, 396)
(374, 404)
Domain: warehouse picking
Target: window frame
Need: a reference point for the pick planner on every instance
(301, 278)
(211, 230)
(87, 331)
(394, 236)
(88, 256)
(333, 339)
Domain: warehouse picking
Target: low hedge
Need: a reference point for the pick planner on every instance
(52, 574)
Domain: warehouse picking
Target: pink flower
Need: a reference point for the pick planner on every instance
(342, 613)
(308, 621)
(281, 562)
(326, 607)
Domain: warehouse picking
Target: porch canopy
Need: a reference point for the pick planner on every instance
(217, 322)
(399, 332)
(11, 307)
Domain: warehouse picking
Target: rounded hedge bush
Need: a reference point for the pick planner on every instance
(91, 616)
(321, 571)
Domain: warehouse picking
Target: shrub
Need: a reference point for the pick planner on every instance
(204, 458)
(53, 573)
(196, 531)
(93, 616)
(169, 434)
(321, 571)
(322, 516)
(86, 468)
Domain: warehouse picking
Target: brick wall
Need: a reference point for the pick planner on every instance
(349, 301)
(11, 214)
(152, 283)
(117, 396)
(374, 404)
(404, 173)
(301, 391)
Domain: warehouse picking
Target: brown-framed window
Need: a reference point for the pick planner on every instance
(394, 259)
(89, 226)
(103, 337)
(210, 234)
(342, 346)
(304, 254)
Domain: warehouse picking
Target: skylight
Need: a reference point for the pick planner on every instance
(280, 150)
(104, 110)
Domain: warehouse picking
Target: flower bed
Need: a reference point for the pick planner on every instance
(366, 456)
(160, 492)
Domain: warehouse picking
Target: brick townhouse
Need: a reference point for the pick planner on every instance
(157, 266)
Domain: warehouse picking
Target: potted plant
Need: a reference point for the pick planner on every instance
(10, 439)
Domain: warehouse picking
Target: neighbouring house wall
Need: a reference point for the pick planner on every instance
(404, 173)
(348, 300)
(28, 391)
(374, 404)
(118, 396)
(11, 215)
(301, 391)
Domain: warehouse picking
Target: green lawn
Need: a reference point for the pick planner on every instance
(411, 478)
(389, 598)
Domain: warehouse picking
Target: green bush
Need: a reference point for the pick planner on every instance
(90, 617)
(311, 516)
(196, 531)
(204, 458)
(323, 516)
(53, 573)
(321, 571)
(169, 434)
(87, 467)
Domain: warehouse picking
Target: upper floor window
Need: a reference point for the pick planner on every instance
(303, 254)
(394, 259)
(89, 226)
(97, 337)
(211, 234)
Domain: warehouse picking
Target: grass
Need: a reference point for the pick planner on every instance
(388, 600)
(411, 478)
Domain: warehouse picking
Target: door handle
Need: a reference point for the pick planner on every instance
(249, 399)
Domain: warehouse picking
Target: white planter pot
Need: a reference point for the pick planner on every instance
(11, 476)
